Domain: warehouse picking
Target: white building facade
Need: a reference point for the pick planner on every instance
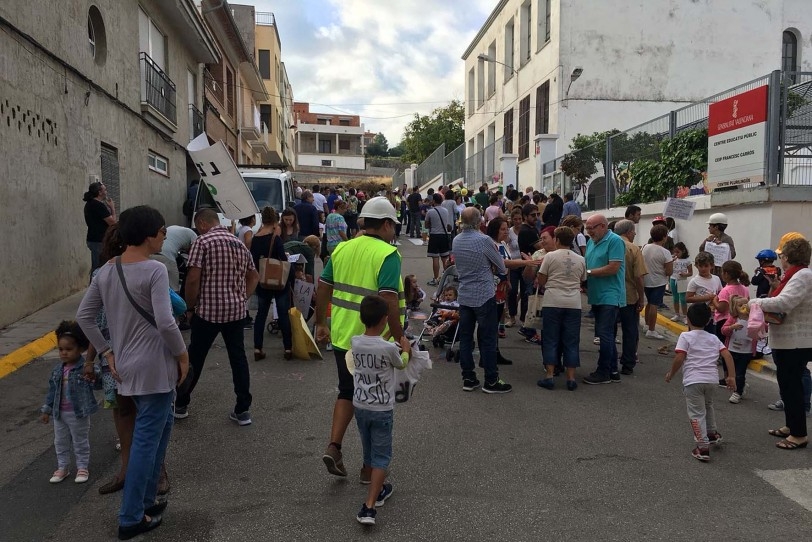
(566, 67)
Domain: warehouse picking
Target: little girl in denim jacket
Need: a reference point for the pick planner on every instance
(70, 401)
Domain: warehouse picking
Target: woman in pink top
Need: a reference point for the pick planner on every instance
(736, 282)
(494, 208)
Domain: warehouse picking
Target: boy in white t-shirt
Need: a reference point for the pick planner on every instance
(697, 352)
(375, 360)
(704, 287)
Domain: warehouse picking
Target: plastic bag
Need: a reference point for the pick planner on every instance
(756, 325)
(406, 380)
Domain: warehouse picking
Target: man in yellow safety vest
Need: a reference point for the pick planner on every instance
(366, 265)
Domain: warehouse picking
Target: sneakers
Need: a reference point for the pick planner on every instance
(81, 476)
(596, 341)
(333, 460)
(526, 332)
(365, 476)
(614, 378)
(433, 282)
(510, 321)
(469, 384)
(654, 334)
(243, 418)
(685, 320)
(59, 475)
(501, 332)
(597, 378)
(778, 405)
(386, 492)
(180, 413)
(676, 318)
(627, 371)
(535, 339)
(714, 437)
(248, 323)
(546, 383)
(702, 454)
(366, 516)
(497, 387)
(735, 398)
(723, 383)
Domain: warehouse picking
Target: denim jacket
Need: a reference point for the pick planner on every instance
(80, 391)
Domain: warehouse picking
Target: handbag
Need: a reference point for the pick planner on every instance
(532, 319)
(273, 273)
(442, 223)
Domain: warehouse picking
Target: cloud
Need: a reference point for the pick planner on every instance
(377, 59)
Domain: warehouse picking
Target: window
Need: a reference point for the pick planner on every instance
(151, 40)
(491, 69)
(327, 163)
(265, 63)
(325, 146)
(543, 23)
(471, 98)
(96, 36)
(230, 104)
(480, 82)
(158, 163)
(789, 55)
(344, 122)
(526, 34)
(509, 50)
(524, 128)
(110, 172)
(265, 115)
(343, 144)
(507, 138)
(543, 108)
(323, 121)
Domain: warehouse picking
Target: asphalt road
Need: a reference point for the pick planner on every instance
(608, 462)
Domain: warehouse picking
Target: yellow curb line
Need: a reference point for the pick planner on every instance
(757, 365)
(21, 356)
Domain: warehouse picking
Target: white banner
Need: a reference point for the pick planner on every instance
(224, 182)
(679, 208)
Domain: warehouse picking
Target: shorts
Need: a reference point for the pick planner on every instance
(679, 298)
(654, 295)
(438, 246)
(346, 384)
(375, 427)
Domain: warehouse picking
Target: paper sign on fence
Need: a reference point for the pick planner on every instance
(681, 209)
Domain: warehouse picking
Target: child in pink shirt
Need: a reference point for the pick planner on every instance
(736, 282)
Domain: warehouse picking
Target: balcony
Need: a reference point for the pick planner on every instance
(260, 143)
(252, 127)
(196, 126)
(158, 92)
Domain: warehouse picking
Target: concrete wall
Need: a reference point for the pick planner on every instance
(51, 134)
(339, 160)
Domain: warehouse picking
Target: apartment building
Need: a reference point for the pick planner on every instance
(325, 140)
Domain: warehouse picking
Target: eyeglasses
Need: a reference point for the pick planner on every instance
(588, 227)
(532, 214)
(163, 230)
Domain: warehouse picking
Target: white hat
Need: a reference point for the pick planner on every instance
(717, 218)
(379, 207)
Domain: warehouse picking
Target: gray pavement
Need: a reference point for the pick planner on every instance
(607, 462)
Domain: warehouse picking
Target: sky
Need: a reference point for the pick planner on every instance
(384, 60)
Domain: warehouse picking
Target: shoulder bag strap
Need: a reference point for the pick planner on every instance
(442, 223)
(147, 316)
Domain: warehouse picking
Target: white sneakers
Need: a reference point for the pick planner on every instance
(81, 476)
(735, 398)
(676, 318)
(654, 334)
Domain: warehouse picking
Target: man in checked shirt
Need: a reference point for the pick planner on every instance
(220, 278)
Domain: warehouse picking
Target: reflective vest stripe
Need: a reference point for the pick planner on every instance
(356, 290)
(346, 304)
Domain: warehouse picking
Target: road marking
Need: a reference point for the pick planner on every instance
(416, 242)
(795, 484)
(21, 356)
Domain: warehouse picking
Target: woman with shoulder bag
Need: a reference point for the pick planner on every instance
(268, 244)
(791, 339)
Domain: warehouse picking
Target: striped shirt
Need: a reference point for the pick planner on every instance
(224, 262)
(477, 259)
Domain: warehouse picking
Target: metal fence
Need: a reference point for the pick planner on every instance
(454, 166)
(483, 166)
(607, 169)
(398, 178)
(431, 167)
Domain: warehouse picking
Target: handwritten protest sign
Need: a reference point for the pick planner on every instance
(302, 295)
(721, 252)
(679, 208)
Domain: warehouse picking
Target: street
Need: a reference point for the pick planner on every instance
(608, 462)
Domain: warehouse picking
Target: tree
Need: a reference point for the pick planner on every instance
(424, 134)
(396, 151)
(379, 146)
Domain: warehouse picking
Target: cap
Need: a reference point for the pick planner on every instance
(717, 218)
(788, 237)
(379, 207)
(658, 219)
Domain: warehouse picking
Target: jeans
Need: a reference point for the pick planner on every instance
(153, 426)
(515, 277)
(740, 362)
(202, 336)
(70, 429)
(375, 427)
(485, 317)
(264, 299)
(414, 223)
(699, 400)
(562, 328)
(605, 318)
(95, 253)
(629, 317)
(526, 288)
(790, 365)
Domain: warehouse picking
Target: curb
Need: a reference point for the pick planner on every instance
(26, 354)
(756, 365)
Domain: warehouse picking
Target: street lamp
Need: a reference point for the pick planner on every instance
(576, 73)
(485, 58)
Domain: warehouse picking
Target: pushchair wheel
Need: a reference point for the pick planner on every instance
(273, 327)
(438, 342)
(449, 356)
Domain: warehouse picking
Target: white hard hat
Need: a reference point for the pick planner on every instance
(717, 218)
(379, 207)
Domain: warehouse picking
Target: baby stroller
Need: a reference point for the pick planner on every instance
(442, 323)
